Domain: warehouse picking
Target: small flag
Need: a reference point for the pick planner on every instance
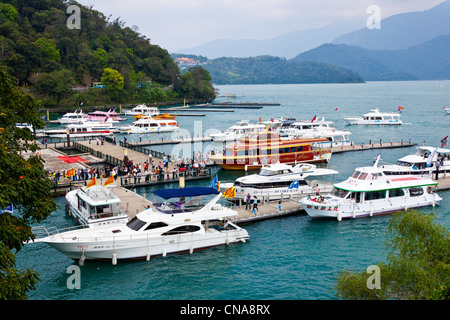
(70, 172)
(230, 193)
(109, 180)
(335, 109)
(215, 184)
(444, 142)
(400, 108)
(314, 119)
(91, 183)
(294, 184)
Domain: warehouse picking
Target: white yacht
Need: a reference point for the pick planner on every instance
(73, 117)
(237, 131)
(279, 179)
(168, 227)
(95, 206)
(147, 124)
(376, 117)
(369, 192)
(87, 129)
(318, 129)
(447, 110)
(142, 109)
(427, 161)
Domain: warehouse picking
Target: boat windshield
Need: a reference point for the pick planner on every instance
(268, 172)
(403, 163)
(339, 193)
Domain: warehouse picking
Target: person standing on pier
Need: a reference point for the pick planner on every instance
(247, 204)
(255, 205)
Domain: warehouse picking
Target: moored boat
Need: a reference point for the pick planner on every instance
(95, 206)
(267, 147)
(142, 109)
(73, 117)
(237, 131)
(282, 180)
(87, 129)
(427, 161)
(147, 124)
(369, 192)
(168, 227)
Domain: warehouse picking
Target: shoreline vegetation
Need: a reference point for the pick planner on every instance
(104, 62)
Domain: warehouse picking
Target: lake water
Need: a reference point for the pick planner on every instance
(288, 258)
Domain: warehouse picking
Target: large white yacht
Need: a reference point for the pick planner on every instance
(95, 206)
(427, 161)
(142, 109)
(279, 179)
(237, 131)
(168, 227)
(369, 192)
(73, 117)
(86, 129)
(147, 124)
(318, 128)
(376, 117)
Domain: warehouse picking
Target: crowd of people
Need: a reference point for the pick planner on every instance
(132, 173)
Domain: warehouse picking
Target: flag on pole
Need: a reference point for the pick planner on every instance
(400, 108)
(91, 183)
(215, 184)
(444, 142)
(294, 184)
(230, 193)
(109, 180)
(70, 172)
(335, 109)
(314, 119)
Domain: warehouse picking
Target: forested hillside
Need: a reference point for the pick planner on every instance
(43, 53)
(268, 69)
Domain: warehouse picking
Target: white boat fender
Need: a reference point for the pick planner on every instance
(191, 249)
(339, 217)
(148, 256)
(228, 240)
(114, 259)
(164, 252)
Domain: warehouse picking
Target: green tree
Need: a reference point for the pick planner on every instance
(418, 266)
(23, 183)
(8, 11)
(49, 48)
(113, 81)
(57, 83)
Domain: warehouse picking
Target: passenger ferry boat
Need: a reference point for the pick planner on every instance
(427, 161)
(267, 147)
(87, 129)
(73, 117)
(147, 124)
(95, 206)
(168, 227)
(142, 109)
(369, 192)
(281, 180)
(376, 117)
(237, 131)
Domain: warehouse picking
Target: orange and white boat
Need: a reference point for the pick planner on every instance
(267, 147)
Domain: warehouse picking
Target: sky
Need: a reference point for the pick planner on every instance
(178, 24)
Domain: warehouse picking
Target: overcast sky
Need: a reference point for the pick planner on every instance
(178, 24)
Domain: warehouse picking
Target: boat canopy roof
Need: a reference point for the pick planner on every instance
(185, 192)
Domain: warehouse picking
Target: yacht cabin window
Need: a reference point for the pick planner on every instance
(135, 224)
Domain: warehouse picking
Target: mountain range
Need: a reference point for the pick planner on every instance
(408, 46)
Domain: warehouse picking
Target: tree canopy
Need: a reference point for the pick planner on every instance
(23, 183)
(418, 266)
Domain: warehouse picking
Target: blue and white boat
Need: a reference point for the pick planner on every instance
(167, 227)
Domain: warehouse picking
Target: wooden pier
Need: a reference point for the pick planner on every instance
(371, 146)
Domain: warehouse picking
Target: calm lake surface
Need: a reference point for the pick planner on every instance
(286, 258)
